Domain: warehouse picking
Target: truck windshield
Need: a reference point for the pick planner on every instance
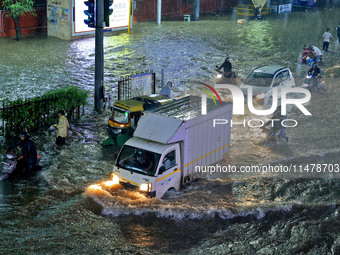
(120, 116)
(138, 160)
(260, 79)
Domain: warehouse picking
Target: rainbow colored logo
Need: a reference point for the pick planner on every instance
(209, 93)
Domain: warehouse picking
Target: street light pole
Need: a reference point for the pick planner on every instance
(99, 58)
(159, 11)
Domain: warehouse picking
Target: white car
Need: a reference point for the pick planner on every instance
(264, 78)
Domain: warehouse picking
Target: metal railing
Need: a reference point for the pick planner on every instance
(125, 86)
(32, 114)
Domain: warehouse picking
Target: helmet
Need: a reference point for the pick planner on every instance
(227, 59)
(314, 65)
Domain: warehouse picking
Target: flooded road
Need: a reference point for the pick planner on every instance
(54, 213)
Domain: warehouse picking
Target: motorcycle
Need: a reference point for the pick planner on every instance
(312, 85)
(11, 168)
(306, 57)
(268, 138)
(232, 78)
(258, 17)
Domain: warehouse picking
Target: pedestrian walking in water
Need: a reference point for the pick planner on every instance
(338, 32)
(326, 37)
(62, 127)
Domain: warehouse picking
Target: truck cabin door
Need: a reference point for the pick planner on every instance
(169, 175)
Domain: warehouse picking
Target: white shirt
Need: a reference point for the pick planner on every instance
(317, 51)
(167, 91)
(326, 36)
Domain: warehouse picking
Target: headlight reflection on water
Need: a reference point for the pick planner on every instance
(108, 184)
(114, 181)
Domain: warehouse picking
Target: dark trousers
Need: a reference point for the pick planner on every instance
(325, 46)
(27, 167)
(60, 141)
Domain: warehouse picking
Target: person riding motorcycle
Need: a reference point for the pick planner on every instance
(315, 53)
(315, 72)
(167, 90)
(277, 129)
(28, 157)
(227, 68)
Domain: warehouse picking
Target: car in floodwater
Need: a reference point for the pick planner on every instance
(263, 79)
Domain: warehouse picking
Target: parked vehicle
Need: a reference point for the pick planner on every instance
(11, 169)
(126, 114)
(170, 142)
(264, 78)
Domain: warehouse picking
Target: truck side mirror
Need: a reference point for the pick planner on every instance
(161, 170)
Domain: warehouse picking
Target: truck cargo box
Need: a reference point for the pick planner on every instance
(202, 144)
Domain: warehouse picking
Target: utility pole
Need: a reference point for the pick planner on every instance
(159, 11)
(196, 10)
(99, 58)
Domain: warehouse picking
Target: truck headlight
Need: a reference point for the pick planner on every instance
(145, 187)
(114, 180)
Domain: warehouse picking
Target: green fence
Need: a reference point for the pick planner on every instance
(35, 113)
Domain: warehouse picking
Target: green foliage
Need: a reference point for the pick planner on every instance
(18, 8)
(33, 113)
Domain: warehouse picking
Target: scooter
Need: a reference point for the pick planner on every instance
(268, 138)
(306, 59)
(223, 79)
(11, 168)
(258, 17)
(308, 83)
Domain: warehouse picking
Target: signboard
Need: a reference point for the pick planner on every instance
(305, 3)
(141, 84)
(119, 19)
(285, 8)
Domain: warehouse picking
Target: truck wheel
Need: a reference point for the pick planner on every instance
(169, 193)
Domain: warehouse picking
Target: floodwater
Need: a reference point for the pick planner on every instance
(55, 213)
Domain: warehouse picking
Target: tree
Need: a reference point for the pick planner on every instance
(17, 8)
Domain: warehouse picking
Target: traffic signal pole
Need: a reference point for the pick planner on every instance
(99, 58)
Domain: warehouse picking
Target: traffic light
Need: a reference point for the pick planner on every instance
(107, 11)
(91, 13)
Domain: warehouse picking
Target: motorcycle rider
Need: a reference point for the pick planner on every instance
(28, 157)
(315, 72)
(62, 127)
(278, 129)
(315, 53)
(167, 90)
(227, 68)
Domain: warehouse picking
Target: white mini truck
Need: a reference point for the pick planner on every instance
(170, 143)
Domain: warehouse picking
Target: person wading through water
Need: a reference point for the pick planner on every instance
(62, 127)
